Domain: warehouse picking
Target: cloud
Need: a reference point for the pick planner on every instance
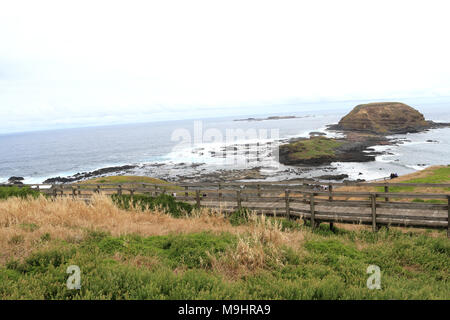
(109, 60)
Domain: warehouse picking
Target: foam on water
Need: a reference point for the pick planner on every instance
(38, 156)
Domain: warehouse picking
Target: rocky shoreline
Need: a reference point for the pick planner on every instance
(93, 174)
(367, 125)
(298, 158)
(354, 148)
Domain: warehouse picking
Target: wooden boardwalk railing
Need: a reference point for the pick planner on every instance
(313, 201)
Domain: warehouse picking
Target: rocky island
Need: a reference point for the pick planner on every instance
(385, 118)
(270, 118)
(365, 126)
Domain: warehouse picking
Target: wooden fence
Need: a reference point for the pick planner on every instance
(313, 201)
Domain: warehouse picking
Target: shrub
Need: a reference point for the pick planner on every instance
(20, 192)
(166, 202)
(239, 217)
(46, 237)
(17, 239)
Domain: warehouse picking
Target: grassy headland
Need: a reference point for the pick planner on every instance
(143, 253)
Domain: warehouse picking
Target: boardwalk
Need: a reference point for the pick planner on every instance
(317, 202)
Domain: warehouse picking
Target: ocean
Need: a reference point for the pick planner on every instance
(157, 149)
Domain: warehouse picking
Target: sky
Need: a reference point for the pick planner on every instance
(72, 63)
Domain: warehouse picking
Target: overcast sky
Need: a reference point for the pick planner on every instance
(66, 63)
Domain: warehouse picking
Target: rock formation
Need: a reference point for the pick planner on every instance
(384, 118)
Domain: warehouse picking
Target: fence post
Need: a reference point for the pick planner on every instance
(119, 191)
(259, 190)
(54, 191)
(156, 191)
(220, 193)
(373, 201)
(330, 198)
(78, 190)
(288, 209)
(313, 214)
(74, 192)
(98, 189)
(386, 190)
(186, 194)
(448, 219)
(197, 197)
(239, 203)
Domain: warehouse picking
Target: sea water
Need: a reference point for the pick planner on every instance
(37, 156)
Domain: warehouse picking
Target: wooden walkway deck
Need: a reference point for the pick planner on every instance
(314, 201)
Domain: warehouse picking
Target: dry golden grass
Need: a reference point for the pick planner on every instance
(26, 224)
(255, 250)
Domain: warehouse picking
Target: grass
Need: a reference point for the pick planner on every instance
(14, 191)
(125, 180)
(133, 182)
(440, 174)
(312, 148)
(430, 175)
(144, 202)
(435, 201)
(143, 253)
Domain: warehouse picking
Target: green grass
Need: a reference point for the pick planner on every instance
(439, 175)
(133, 182)
(163, 201)
(435, 201)
(312, 148)
(325, 265)
(14, 191)
(179, 267)
(125, 179)
(239, 217)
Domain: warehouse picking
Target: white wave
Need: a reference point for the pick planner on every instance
(416, 167)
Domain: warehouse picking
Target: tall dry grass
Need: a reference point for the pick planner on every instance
(28, 224)
(260, 247)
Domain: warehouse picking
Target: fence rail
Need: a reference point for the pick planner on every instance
(313, 201)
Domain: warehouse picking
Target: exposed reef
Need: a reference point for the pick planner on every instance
(270, 118)
(92, 174)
